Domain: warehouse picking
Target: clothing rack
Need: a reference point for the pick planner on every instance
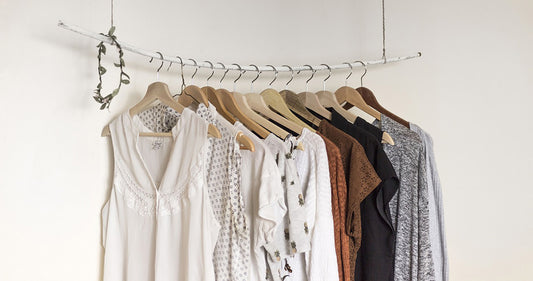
(229, 66)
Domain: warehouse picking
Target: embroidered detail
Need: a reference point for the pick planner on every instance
(144, 203)
(278, 257)
(286, 234)
(301, 199)
(293, 247)
(306, 228)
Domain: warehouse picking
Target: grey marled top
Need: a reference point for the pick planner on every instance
(409, 208)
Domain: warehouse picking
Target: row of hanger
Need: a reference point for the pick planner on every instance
(257, 111)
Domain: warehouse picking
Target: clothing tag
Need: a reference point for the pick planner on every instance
(157, 144)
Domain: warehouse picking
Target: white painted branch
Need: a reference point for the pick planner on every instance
(229, 66)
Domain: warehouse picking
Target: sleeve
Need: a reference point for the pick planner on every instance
(441, 261)
(426, 270)
(322, 259)
(271, 201)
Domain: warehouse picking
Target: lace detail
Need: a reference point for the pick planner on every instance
(145, 203)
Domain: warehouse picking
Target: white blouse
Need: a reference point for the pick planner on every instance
(158, 223)
(263, 199)
(320, 263)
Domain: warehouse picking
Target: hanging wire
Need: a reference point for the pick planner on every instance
(112, 10)
(384, 56)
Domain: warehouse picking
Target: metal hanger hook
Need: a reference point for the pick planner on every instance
(364, 73)
(292, 75)
(196, 69)
(240, 73)
(275, 74)
(313, 71)
(223, 76)
(351, 72)
(162, 61)
(182, 77)
(256, 77)
(212, 71)
(329, 74)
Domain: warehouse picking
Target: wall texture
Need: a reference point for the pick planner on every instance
(472, 90)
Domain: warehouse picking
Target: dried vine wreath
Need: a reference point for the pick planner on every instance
(124, 78)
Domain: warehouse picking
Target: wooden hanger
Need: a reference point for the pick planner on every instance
(310, 100)
(352, 96)
(245, 142)
(247, 110)
(159, 91)
(241, 101)
(257, 104)
(193, 94)
(215, 100)
(231, 105)
(328, 99)
(370, 99)
(276, 102)
(295, 104)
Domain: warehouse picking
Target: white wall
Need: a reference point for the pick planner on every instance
(472, 90)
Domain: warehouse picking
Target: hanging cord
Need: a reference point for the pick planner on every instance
(112, 10)
(384, 56)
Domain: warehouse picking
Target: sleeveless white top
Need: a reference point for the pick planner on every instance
(158, 224)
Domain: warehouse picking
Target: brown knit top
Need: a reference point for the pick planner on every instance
(361, 180)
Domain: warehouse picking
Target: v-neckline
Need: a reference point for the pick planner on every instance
(138, 127)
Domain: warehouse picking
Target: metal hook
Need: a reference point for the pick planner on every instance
(162, 62)
(329, 68)
(364, 64)
(223, 76)
(241, 72)
(196, 70)
(258, 73)
(351, 72)
(292, 75)
(182, 77)
(275, 75)
(329, 75)
(212, 71)
(312, 75)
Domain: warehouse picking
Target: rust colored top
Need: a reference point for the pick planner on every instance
(361, 180)
(338, 203)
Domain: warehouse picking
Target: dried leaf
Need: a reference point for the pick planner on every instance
(115, 92)
(103, 106)
(124, 81)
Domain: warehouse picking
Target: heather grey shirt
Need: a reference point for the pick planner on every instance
(436, 215)
(409, 207)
